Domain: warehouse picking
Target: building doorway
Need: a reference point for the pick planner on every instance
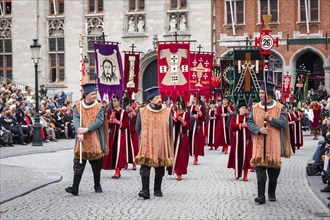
(150, 77)
(314, 64)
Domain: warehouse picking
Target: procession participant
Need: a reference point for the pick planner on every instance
(241, 144)
(154, 126)
(91, 134)
(315, 125)
(212, 115)
(118, 122)
(267, 156)
(299, 142)
(196, 135)
(133, 137)
(291, 121)
(224, 113)
(181, 140)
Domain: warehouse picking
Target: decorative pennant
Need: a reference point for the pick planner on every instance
(173, 68)
(131, 72)
(201, 65)
(109, 69)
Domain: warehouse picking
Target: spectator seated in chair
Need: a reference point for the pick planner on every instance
(10, 123)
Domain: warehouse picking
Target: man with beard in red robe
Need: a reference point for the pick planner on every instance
(241, 143)
(181, 140)
(118, 122)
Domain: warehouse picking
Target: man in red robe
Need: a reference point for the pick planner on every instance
(224, 112)
(196, 134)
(299, 142)
(118, 123)
(181, 140)
(212, 115)
(133, 137)
(241, 144)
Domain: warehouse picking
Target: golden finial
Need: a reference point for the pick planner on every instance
(266, 19)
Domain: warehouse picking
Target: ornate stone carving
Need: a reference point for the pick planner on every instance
(5, 28)
(178, 21)
(135, 23)
(56, 27)
(95, 25)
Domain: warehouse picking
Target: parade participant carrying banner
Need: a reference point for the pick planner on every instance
(286, 85)
(109, 70)
(173, 69)
(201, 72)
(131, 72)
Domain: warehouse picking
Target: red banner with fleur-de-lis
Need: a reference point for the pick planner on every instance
(201, 66)
(173, 69)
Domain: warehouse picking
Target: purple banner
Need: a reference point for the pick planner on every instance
(109, 69)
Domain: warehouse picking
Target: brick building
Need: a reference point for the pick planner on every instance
(302, 32)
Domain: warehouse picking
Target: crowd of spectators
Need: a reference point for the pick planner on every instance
(18, 111)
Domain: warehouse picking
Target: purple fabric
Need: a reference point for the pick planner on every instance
(109, 69)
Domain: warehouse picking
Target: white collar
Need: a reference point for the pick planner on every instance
(88, 106)
(269, 105)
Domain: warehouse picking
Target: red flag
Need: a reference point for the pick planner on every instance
(131, 72)
(173, 68)
(201, 65)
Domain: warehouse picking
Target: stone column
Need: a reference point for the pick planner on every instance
(327, 78)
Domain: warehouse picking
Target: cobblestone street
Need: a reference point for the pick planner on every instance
(209, 191)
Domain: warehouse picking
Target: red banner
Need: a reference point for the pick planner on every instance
(173, 69)
(286, 83)
(131, 72)
(201, 65)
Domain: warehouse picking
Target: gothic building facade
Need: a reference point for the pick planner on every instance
(58, 24)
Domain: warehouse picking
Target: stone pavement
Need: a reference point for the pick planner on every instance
(209, 191)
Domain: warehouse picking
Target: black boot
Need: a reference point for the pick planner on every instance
(74, 189)
(271, 191)
(97, 185)
(261, 193)
(145, 193)
(158, 187)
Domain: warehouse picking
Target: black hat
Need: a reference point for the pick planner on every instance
(126, 101)
(212, 102)
(269, 85)
(240, 104)
(152, 92)
(89, 87)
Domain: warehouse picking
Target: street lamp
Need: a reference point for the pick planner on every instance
(35, 49)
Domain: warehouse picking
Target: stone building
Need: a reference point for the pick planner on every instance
(302, 27)
(57, 24)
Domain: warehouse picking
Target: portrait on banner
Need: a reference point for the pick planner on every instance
(109, 71)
